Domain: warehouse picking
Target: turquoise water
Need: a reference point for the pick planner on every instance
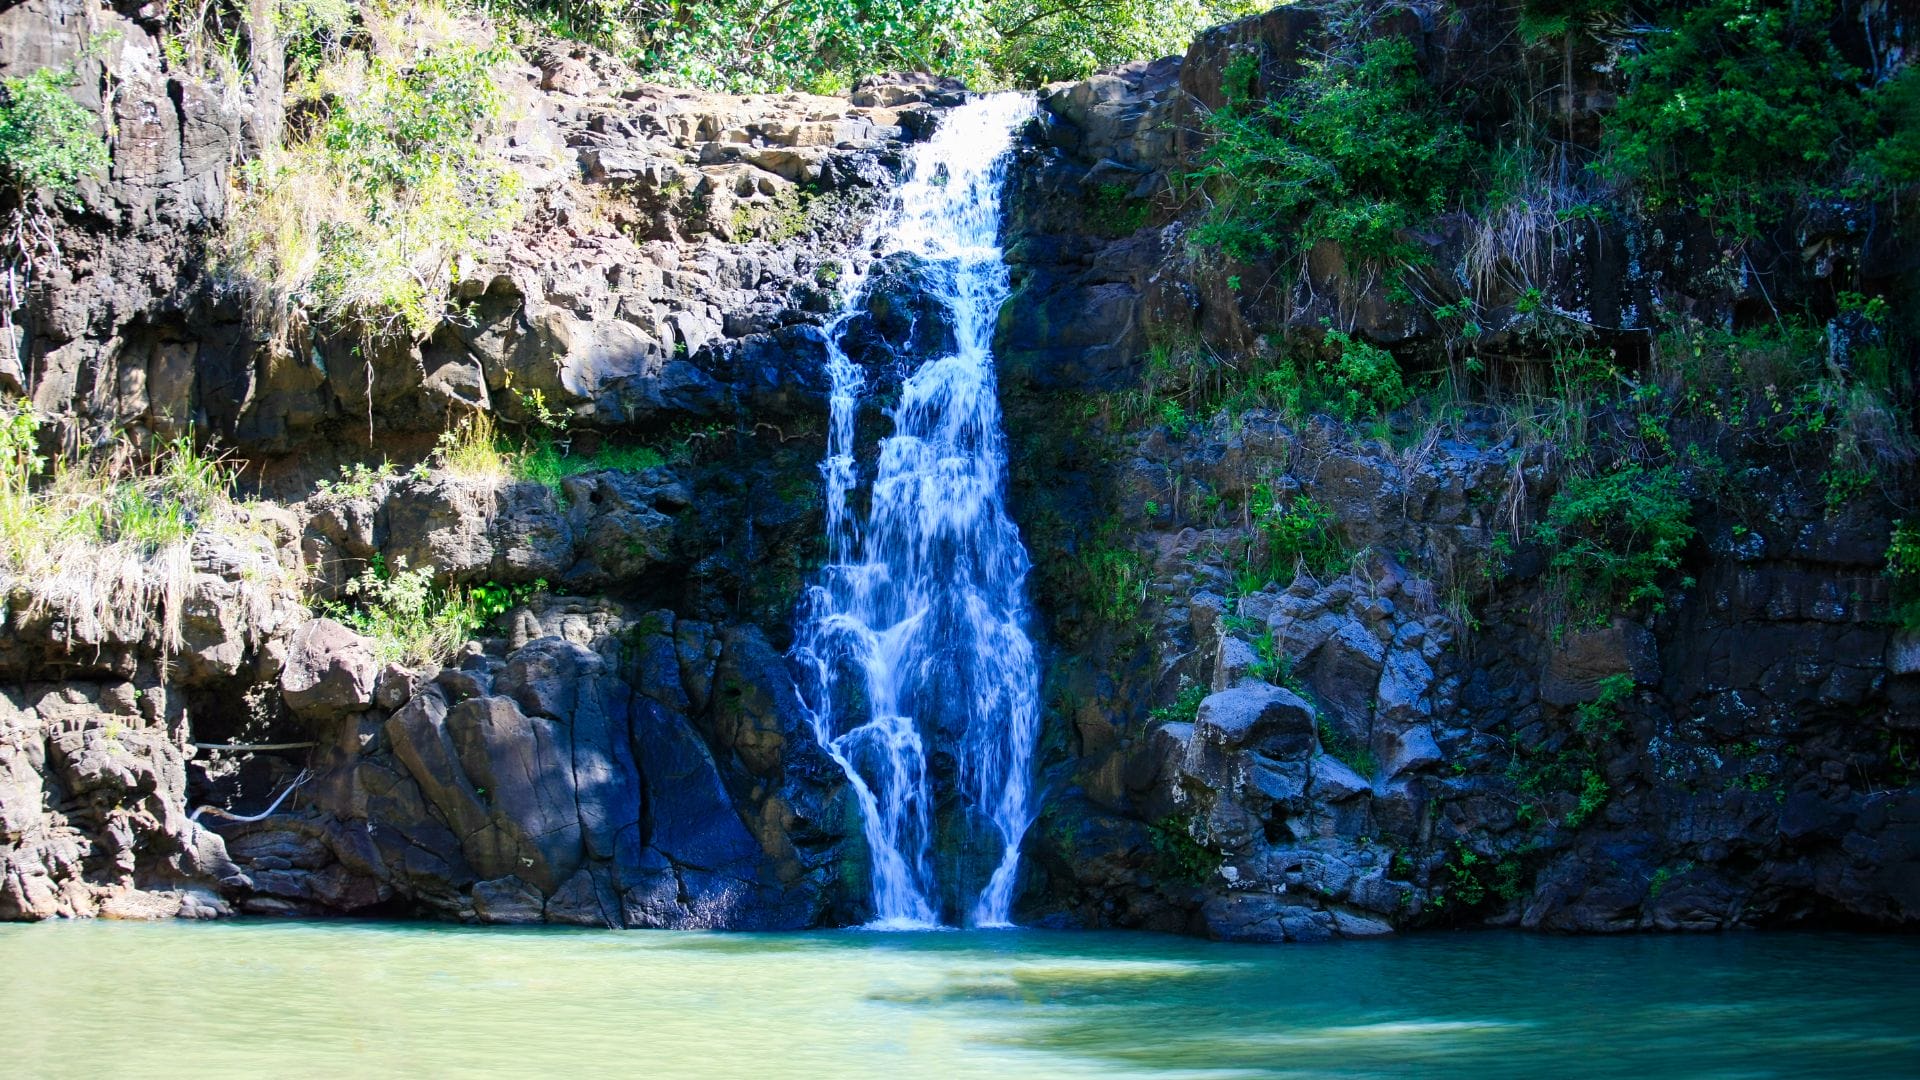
(278, 999)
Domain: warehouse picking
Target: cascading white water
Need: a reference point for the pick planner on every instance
(917, 624)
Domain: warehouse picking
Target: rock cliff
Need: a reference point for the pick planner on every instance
(1419, 732)
(1409, 731)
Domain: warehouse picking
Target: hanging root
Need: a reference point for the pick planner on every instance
(305, 775)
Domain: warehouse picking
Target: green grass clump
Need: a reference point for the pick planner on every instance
(544, 462)
(108, 537)
(475, 449)
(1354, 755)
(1114, 582)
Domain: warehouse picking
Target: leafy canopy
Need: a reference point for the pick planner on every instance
(823, 45)
(1740, 106)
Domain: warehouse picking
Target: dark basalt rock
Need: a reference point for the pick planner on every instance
(635, 753)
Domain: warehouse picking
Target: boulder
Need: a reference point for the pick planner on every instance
(1254, 719)
(507, 900)
(330, 671)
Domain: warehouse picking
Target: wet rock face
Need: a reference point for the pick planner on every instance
(570, 777)
(1363, 758)
(640, 760)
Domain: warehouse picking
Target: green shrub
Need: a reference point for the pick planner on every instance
(1363, 379)
(1463, 885)
(358, 480)
(313, 32)
(1179, 857)
(1298, 533)
(1615, 537)
(1593, 795)
(1109, 210)
(1738, 107)
(1355, 151)
(412, 621)
(48, 141)
(1599, 719)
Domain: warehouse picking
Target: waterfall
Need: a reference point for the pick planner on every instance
(915, 630)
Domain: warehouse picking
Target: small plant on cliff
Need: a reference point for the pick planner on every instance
(47, 145)
(1299, 533)
(1355, 754)
(1599, 719)
(1180, 858)
(1464, 886)
(1111, 210)
(1593, 795)
(1272, 664)
(1903, 566)
(410, 620)
(1617, 538)
(1185, 706)
(365, 220)
(357, 480)
(48, 141)
(1356, 151)
(1114, 582)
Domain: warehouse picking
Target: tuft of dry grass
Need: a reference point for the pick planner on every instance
(104, 544)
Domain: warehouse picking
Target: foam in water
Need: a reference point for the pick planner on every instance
(917, 624)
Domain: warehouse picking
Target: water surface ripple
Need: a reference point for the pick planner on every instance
(254, 999)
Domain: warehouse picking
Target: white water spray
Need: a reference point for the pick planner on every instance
(917, 624)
